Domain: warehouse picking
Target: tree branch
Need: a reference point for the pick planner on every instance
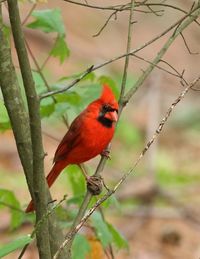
(111, 8)
(128, 48)
(39, 182)
(15, 107)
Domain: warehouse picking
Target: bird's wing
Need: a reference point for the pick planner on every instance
(71, 139)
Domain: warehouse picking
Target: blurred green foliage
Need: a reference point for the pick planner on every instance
(4, 119)
(80, 246)
(101, 228)
(129, 134)
(9, 200)
(14, 245)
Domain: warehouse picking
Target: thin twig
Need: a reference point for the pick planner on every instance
(124, 177)
(29, 14)
(106, 23)
(171, 6)
(45, 95)
(128, 48)
(114, 7)
(157, 13)
(48, 57)
(186, 45)
(176, 74)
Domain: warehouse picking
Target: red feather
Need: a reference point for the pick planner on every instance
(87, 137)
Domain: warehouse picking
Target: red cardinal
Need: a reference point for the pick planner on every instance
(88, 136)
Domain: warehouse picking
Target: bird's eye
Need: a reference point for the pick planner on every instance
(106, 108)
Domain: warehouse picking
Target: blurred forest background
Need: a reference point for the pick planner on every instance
(157, 208)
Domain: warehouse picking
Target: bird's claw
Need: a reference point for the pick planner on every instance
(106, 153)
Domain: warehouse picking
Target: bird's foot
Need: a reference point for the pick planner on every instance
(106, 153)
(94, 184)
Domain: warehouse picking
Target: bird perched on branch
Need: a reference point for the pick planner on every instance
(88, 136)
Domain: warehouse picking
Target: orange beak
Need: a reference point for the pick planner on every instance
(113, 116)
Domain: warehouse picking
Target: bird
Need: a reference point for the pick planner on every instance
(88, 135)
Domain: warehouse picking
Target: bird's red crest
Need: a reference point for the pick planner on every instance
(107, 95)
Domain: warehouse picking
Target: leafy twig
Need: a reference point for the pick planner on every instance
(45, 95)
(29, 14)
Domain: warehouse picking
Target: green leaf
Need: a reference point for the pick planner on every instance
(4, 119)
(90, 92)
(4, 126)
(14, 245)
(8, 197)
(39, 82)
(6, 31)
(102, 229)
(47, 107)
(112, 201)
(77, 199)
(72, 98)
(48, 20)
(76, 179)
(60, 49)
(119, 241)
(80, 247)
